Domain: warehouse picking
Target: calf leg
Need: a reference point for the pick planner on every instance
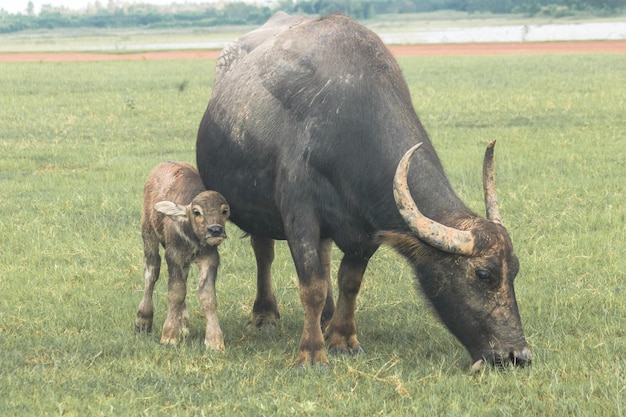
(265, 310)
(151, 270)
(177, 321)
(213, 338)
(341, 331)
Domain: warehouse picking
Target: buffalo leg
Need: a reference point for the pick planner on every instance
(213, 338)
(307, 255)
(326, 247)
(151, 270)
(265, 310)
(177, 321)
(341, 331)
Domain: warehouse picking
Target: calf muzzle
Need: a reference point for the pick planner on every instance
(215, 234)
(215, 230)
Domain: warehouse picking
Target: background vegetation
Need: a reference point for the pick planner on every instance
(78, 139)
(119, 14)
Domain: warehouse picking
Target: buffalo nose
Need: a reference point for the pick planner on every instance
(521, 358)
(215, 230)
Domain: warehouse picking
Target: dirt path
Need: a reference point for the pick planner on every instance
(612, 47)
(616, 47)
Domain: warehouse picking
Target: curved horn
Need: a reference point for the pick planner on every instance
(447, 239)
(489, 185)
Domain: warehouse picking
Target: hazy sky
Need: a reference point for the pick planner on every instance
(19, 6)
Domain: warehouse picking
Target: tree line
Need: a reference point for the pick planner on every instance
(117, 14)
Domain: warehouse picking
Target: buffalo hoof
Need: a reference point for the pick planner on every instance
(267, 320)
(315, 358)
(304, 366)
(336, 351)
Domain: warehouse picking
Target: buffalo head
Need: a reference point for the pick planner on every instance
(466, 269)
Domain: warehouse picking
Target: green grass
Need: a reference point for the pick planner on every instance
(113, 40)
(78, 139)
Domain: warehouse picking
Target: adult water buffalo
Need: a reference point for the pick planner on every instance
(306, 127)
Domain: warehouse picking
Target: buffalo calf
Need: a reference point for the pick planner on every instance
(189, 222)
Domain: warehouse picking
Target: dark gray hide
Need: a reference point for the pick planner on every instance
(305, 128)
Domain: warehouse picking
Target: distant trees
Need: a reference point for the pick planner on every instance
(545, 6)
(120, 14)
(135, 15)
(367, 8)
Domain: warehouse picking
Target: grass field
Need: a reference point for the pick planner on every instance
(78, 139)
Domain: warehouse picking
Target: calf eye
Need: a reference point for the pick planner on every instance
(196, 213)
(483, 275)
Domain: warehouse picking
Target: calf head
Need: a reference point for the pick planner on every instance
(207, 214)
(466, 273)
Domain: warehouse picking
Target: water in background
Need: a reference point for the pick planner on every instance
(508, 33)
(512, 33)
(410, 35)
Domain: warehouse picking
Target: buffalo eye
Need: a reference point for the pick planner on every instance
(483, 275)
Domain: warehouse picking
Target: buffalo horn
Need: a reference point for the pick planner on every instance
(447, 239)
(489, 185)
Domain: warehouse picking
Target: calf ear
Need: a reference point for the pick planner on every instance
(172, 210)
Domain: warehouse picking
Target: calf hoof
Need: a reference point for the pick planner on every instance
(169, 340)
(215, 344)
(173, 335)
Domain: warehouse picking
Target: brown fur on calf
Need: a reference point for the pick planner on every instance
(189, 222)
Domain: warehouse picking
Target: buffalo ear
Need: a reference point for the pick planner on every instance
(172, 210)
(406, 244)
